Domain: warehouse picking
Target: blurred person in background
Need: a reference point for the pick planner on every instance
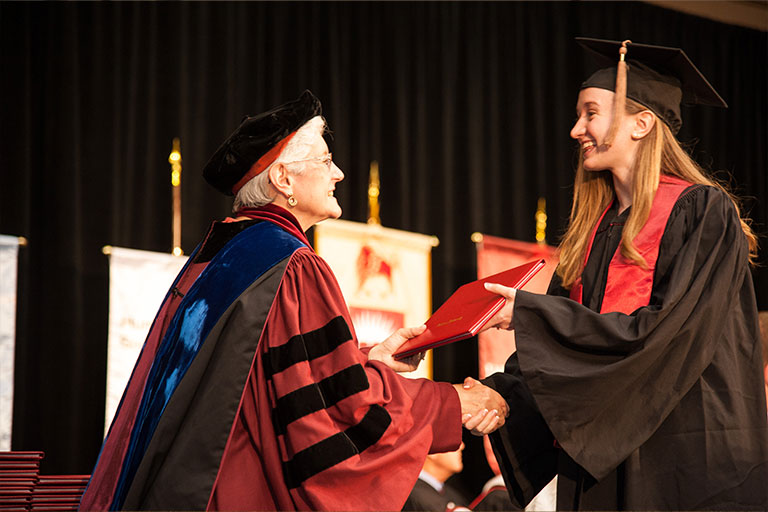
(431, 492)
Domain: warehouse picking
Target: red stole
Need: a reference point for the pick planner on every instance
(629, 285)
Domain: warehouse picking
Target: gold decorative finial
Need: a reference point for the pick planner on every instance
(175, 160)
(373, 194)
(541, 221)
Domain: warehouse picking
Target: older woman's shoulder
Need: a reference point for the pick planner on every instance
(307, 259)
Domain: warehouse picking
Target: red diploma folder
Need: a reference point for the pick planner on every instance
(467, 310)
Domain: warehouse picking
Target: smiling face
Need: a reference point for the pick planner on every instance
(595, 112)
(313, 186)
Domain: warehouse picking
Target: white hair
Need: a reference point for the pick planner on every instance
(258, 191)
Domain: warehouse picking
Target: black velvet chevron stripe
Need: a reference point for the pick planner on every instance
(337, 448)
(320, 395)
(307, 346)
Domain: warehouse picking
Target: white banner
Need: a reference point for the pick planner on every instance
(138, 282)
(9, 251)
(385, 276)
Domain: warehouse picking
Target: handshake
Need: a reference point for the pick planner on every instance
(483, 410)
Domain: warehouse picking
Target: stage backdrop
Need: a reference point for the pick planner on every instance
(385, 275)
(138, 283)
(465, 105)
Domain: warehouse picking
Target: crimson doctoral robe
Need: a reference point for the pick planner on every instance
(251, 393)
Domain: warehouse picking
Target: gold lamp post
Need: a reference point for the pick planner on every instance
(175, 160)
(373, 194)
(541, 221)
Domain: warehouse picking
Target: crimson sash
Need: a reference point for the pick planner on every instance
(628, 285)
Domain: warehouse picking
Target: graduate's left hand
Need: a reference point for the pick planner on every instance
(384, 350)
(504, 318)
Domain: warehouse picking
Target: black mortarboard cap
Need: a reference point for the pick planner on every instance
(658, 77)
(258, 140)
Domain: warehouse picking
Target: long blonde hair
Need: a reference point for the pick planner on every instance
(659, 153)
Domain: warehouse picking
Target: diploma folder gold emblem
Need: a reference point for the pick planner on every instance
(467, 310)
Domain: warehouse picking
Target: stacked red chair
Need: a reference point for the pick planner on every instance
(19, 473)
(24, 489)
(58, 492)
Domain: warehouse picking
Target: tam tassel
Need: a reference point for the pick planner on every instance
(620, 99)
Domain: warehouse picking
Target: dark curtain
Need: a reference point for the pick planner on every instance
(465, 105)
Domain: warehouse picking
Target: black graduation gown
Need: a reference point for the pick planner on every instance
(662, 409)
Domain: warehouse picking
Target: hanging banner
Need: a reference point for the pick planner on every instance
(9, 255)
(494, 255)
(385, 275)
(138, 283)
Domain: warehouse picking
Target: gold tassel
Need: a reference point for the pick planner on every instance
(620, 99)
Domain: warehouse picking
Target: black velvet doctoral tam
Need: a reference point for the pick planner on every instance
(254, 138)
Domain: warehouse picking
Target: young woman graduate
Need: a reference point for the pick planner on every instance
(637, 378)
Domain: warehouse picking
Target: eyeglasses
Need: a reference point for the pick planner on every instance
(325, 159)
